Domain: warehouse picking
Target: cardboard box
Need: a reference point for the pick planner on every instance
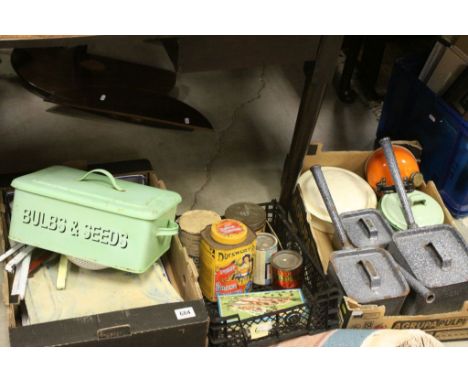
(157, 325)
(449, 68)
(462, 43)
(353, 315)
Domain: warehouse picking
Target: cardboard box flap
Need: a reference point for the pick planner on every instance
(349, 160)
(363, 310)
(324, 247)
(431, 189)
(185, 272)
(354, 305)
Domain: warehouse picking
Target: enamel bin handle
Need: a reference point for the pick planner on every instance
(172, 230)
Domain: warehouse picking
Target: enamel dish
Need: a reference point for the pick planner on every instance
(349, 191)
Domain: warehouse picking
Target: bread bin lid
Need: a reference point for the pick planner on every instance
(349, 191)
(98, 189)
(425, 209)
(369, 275)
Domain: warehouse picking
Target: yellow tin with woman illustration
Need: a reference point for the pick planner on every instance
(227, 251)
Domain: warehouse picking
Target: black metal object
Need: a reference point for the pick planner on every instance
(371, 60)
(345, 92)
(72, 78)
(311, 101)
(134, 106)
(54, 71)
(319, 313)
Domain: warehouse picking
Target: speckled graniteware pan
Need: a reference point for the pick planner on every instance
(436, 255)
(369, 275)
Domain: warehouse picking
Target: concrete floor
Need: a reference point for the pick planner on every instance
(253, 113)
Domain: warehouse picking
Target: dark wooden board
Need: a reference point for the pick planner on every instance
(53, 70)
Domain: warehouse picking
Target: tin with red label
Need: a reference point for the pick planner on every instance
(286, 269)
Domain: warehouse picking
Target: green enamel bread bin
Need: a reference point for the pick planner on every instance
(93, 216)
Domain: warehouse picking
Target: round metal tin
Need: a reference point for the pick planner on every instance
(250, 214)
(267, 246)
(266, 241)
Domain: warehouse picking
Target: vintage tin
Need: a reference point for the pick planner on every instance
(191, 224)
(94, 217)
(267, 246)
(251, 214)
(287, 269)
(227, 251)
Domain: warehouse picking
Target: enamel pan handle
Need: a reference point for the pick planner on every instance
(331, 208)
(400, 188)
(172, 230)
(106, 173)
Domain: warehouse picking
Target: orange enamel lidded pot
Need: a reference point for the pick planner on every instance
(378, 174)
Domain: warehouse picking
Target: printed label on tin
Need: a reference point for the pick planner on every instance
(235, 277)
(73, 228)
(229, 227)
(287, 279)
(226, 271)
(184, 313)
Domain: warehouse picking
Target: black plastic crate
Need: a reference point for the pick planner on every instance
(319, 313)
